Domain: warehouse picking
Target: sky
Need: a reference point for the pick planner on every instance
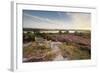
(56, 20)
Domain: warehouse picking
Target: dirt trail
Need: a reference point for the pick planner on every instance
(56, 49)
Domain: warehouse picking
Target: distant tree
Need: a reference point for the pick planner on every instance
(60, 32)
(75, 33)
(31, 36)
(66, 32)
(37, 33)
(44, 35)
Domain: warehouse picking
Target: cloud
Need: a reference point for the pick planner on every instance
(80, 20)
(30, 21)
(77, 21)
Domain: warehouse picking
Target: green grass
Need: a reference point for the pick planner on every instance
(74, 53)
(38, 51)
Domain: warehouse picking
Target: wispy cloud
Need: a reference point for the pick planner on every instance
(77, 21)
(39, 22)
(80, 20)
(46, 20)
(30, 21)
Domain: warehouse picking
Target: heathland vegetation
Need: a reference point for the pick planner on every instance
(62, 45)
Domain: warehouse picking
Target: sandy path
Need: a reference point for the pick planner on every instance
(56, 49)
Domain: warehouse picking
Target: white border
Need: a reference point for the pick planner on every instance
(17, 38)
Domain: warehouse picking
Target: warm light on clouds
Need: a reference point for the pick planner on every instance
(81, 20)
(56, 20)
